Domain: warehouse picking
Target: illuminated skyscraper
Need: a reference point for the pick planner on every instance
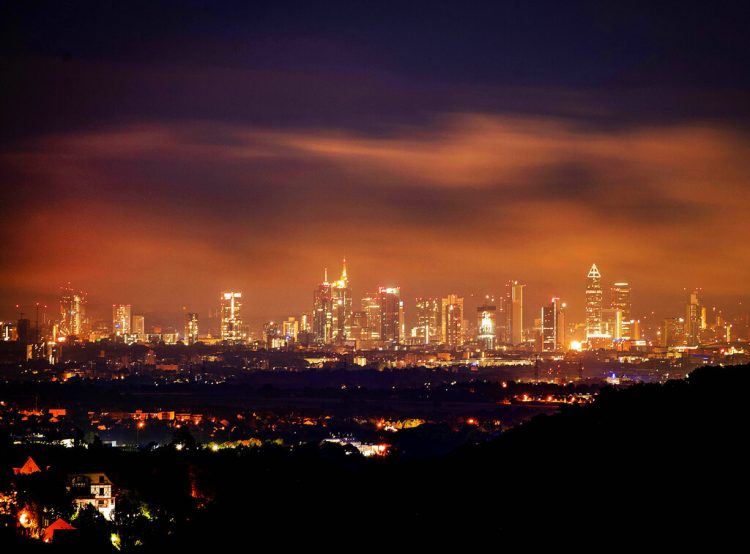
(594, 303)
(621, 302)
(230, 312)
(428, 320)
(120, 320)
(72, 312)
(371, 307)
(323, 312)
(516, 313)
(341, 298)
(290, 329)
(139, 327)
(694, 318)
(452, 320)
(553, 326)
(487, 324)
(391, 314)
(191, 328)
(673, 332)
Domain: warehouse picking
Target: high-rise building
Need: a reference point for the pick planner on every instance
(621, 302)
(694, 318)
(391, 314)
(191, 328)
(371, 308)
(139, 327)
(487, 324)
(516, 313)
(341, 299)
(322, 320)
(428, 320)
(120, 320)
(553, 326)
(594, 303)
(452, 320)
(673, 332)
(230, 312)
(290, 329)
(73, 320)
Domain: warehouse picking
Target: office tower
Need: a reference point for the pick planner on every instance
(6, 331)
(272, 335)
(505, 314)
(341, 299)
(621, 302)
(516, 313)
(391, 318)
(452, 320)
(428, 320)
(120, 320)
(290, 329)
(72, 312)
(191, 328)
(694, 318)
(230, 313)
(673, 332)
(23, 331)
(487, 324)
(553, 326)
(305, 323)
(139, 327)
(371, 307)
(323, 312)
(594, 303)
(359, 330)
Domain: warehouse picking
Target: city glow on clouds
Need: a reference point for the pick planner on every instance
(159, 214)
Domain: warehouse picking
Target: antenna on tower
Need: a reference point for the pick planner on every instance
(325, 275)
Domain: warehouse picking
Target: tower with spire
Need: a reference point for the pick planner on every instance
(332, 309)
(594, 298)
(342, 306)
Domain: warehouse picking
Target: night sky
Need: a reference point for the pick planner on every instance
(157, 154)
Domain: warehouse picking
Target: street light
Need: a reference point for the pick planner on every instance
(140, 425)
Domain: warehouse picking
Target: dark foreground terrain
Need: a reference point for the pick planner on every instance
(650, 462)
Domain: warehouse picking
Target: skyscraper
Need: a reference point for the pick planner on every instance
(191, 328)
(428, 320)
(694, 318)
(139, 327)
(72, 312)
(322, 320)
(120, 320)
(594, 303)
(371, 308)
(621, 302)
(487, 324)
(230, 312)
(391, 318)
(341, 299)
(553, 326)
(516, 313)
(452, 320)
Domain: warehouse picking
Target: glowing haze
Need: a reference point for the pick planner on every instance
(156, 173)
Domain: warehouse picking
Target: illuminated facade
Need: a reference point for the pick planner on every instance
(694, 318)
(341, 299)
(230, 312)
(371, 308)
(191, 328)
(452, 320)
(391, 314)
(139, 327)
(487, 325)
(553, 326)
(121, 320)
(516, 313)
(673, 332)
(290, 329)
(621, 302)
(594, 303)
(322, 319)
(72, 312)
(428, 320)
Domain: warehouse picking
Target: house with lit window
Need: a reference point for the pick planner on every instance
(95, 489)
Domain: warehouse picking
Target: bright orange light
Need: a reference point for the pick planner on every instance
(141, 425)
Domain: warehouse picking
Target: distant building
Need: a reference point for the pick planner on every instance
(428, 328)
(139, 327)
(191, 327)
(694, 318)
(322, 318)
(452, 320)
(371, 308)
(594, 303)
(230, 312)
(516, 313)
(93, 489)
(553, 326)
(290, 329)
(73, 320)
(673, 332)
(621, 302)
(121, 320)
(487, 324)
(391, 315)
(341, 307)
